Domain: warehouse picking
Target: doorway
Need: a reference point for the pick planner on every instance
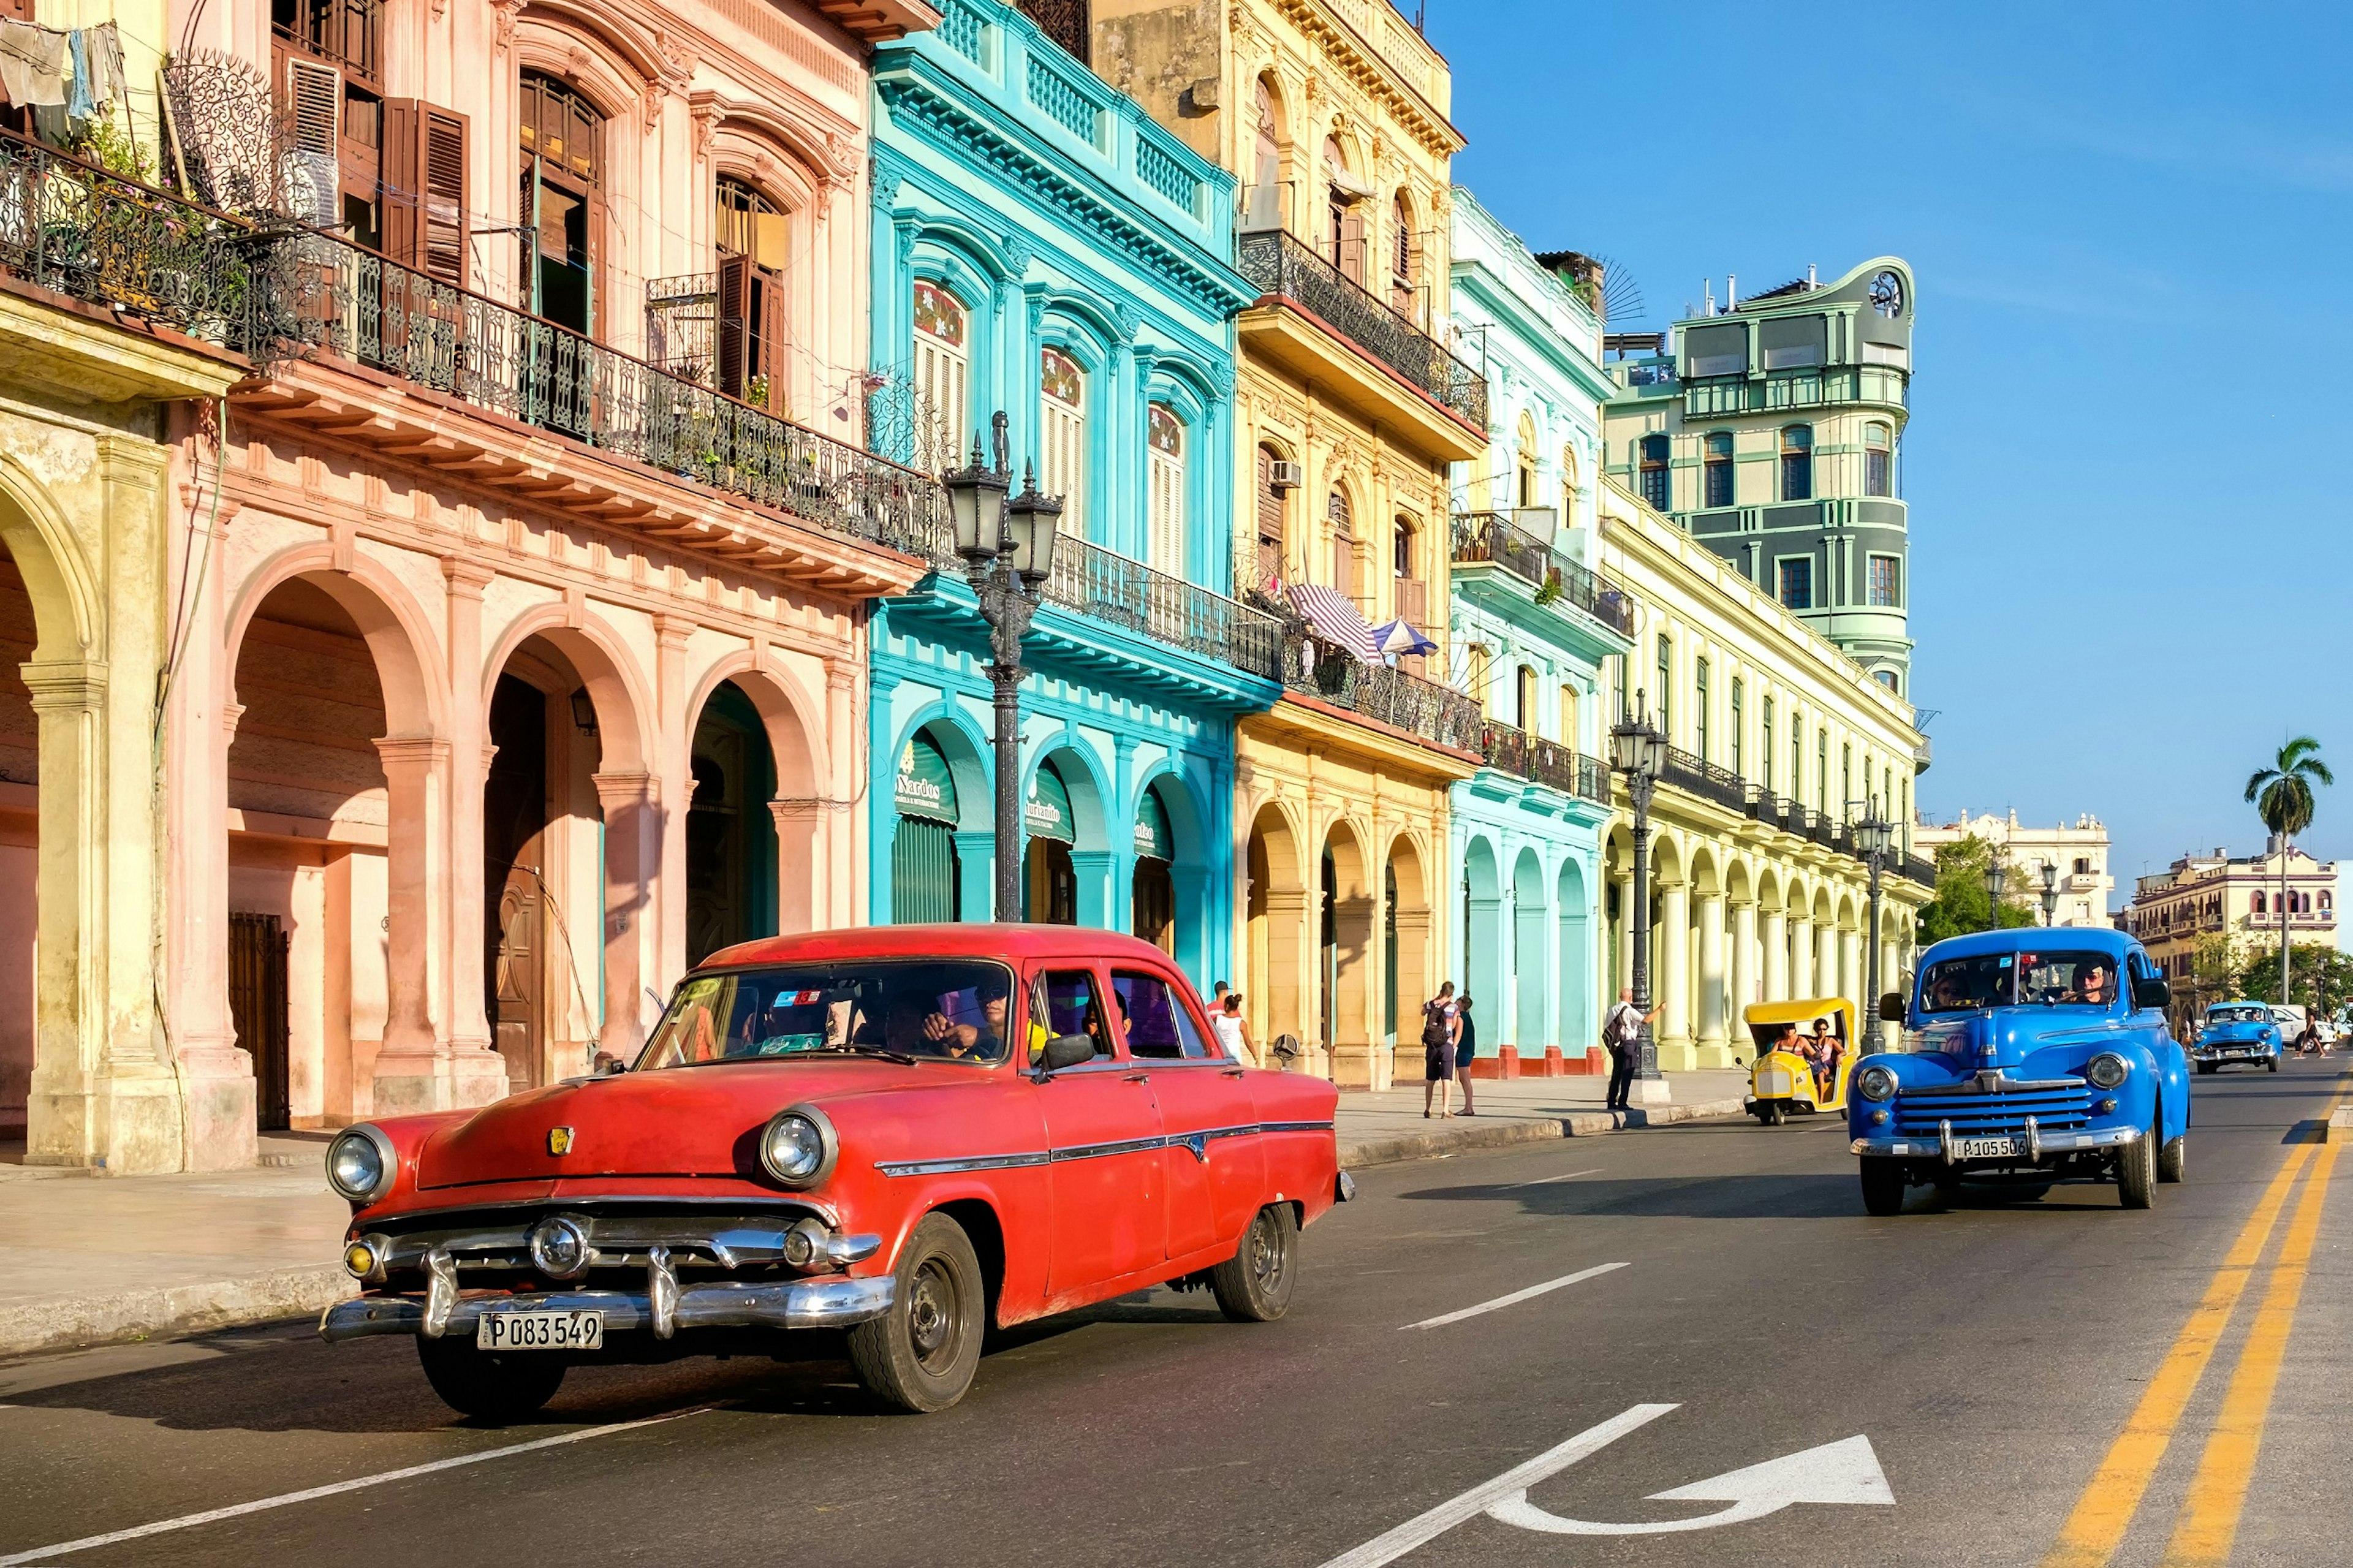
(514, 829)
(1051, 886)
(256, 1004)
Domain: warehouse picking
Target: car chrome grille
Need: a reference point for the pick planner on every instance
(1975, 1115)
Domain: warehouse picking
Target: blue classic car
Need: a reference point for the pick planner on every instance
(2245, 1032)
(2034, 1055)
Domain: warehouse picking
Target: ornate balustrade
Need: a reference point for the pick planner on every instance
(1492, 536)
(1284, 268)
(1110, 587)
(1423, 708)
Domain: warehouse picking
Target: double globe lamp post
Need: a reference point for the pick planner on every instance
(1008, 546)
(1875, 837)
(1639, 751)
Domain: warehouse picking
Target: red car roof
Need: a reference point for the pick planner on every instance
(960, 940)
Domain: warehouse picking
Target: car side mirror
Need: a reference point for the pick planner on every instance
(1066, 1051)
(2154, 993)
(1891, 1008)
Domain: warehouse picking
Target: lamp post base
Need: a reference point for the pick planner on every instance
(1649, 1091)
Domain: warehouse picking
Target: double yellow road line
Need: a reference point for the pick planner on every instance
(2209, 1521)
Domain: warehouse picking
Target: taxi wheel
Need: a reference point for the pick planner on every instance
(488, 1384)
(2173, 1160)
(1254, 1285)
(922, 1354)
(2137, 1170)
(1883, 1186)
(1772, 1115)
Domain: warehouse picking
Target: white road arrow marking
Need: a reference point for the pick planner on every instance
(1842, 1472)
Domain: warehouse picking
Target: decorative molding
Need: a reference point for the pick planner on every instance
(503, 14)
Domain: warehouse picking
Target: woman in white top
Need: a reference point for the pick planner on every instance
(1234, 1030)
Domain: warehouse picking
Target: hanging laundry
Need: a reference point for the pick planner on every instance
(104, 45)
(81, 107)
(32, 64)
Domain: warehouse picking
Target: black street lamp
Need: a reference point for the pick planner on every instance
(1008, 551)
(1639, 751)
(2051, 892)
(1996, 874)
(1873, 835)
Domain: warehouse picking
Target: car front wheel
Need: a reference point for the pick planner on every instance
(2173, 1160)
(490, 1385)
(1883, 1186)
(922, 1354)
(1254, 1285)
(2137, 1170)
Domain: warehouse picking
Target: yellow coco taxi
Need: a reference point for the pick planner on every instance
(1805, 1052)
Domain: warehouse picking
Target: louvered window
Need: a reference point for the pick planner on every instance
(1165, 469)
(1062, 421)
(1270, 523)
(941, 366)
(425, 188)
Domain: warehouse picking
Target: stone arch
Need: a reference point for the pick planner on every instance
(608, 670)
(970, 850)
(781, 846)
(1575, 1019)
(1484, 948)
(1408, 935)
(1531, 965)
(398, 629)
(1092, 859)
(1277, 976)
(1346, 897)
(67, 605)
(1191, 823)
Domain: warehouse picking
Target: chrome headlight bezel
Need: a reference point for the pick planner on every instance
(367, 1136)
(2107, 1070)
(1876, 1083)
(798, 1173)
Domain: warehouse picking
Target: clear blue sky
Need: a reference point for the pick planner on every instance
(2134, 366)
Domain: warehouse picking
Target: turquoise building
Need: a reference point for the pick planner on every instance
(1530, 625)
(1042, 249)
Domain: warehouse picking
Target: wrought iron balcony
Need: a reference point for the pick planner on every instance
(1687, 772)
(1378, 691)
(1515, 751)
(1493, 536)
(276, 293)
(1110, 587)
(1912, 868)
(1284, 268)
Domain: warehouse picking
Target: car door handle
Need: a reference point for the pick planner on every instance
(1136, 1077)
(1235, 1071)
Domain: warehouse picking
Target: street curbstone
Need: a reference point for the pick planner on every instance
(77, 1322)
(1399, 1147)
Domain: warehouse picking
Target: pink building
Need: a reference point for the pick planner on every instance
(515, 599)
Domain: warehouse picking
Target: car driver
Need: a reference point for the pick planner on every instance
(2095, 985)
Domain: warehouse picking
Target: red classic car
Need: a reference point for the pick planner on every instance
(908, 1133)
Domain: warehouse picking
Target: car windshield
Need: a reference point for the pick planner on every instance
(912, 1009)
(2008, 979)
(2238, 1014)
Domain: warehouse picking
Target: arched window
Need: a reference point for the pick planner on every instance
(1797, 463)
(1523, 462)
(1568, 735)
(1719, 469)
(1568, 492)
(1344, 233)
(943, 368)
(753, 238)
(1273, 511)
(1475, 674)
(2260, 907)
(1063, 436)
(1344, 543)
(562, 139)
(1878, 471)
(1652, 461)
(1404, 276)
(1263, 203)
(1523, 700)
(1164, 466)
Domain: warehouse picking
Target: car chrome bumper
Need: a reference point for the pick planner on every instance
(1345, 1189)
(803, 1304)
(2037, 1145)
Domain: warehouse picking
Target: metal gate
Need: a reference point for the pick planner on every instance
(257, 1003)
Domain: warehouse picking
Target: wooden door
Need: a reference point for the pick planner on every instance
(256, 1004)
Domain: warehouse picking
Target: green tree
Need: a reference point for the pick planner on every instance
(2216, 974)
(2282, 795)
(1960, 905)
(2323, 978)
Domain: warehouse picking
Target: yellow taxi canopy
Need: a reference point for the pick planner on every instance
(1767, 1019)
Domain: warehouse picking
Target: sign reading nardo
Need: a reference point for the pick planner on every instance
(925, 788)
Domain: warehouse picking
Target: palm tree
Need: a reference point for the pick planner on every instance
(2283, 797)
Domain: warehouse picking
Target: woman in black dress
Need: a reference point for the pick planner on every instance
(1438, 1049)
(1466, 1046)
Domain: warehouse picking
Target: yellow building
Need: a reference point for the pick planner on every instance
(1333, 113)
(1781, 743)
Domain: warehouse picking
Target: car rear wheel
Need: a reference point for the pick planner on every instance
(922, 1354)
(1254, 1285)
(2273, 1066)
(2137, 1170)
(2173, 1160)
(490, 1385)
(1883, 1186)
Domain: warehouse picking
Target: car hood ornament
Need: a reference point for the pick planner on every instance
(559, 1141)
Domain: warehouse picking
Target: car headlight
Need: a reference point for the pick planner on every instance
(799, 1147)
(2107, 1071)
(1876, 1083)
(359, 1163)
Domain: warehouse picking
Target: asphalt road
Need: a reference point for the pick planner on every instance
(2156, 1387)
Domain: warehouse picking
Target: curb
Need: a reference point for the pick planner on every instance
(77, 1322)
(1403, 1146)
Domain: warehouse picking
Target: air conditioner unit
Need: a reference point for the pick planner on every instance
(1285, 476)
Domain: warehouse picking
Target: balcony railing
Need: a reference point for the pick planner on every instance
(1408, 702)
(1491, 536)
(1716, 397)
(1515, 751)
(1912, 868)
(1284, 268)
(1110, 587)
(274, 294)
(1706, 779)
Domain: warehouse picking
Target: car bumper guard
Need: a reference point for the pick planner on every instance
(2037, 1141)
(802, 1304)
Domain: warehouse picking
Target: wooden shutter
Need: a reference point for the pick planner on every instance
(1352, 243)
(596, 289)
(769, 334)
(734, 323)
(1270, 521)
(443, 160)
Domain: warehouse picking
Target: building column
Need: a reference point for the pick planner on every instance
(1826, 971)
(1850, 946)
(1289, 1004)
(1801, 959)
(1712, 1051)
(1353, 1047)
(1673, 979)
(1744, 977)
(418, 1068)
(633, 836)
(846, 887)
(469, 767)
(1777, 956)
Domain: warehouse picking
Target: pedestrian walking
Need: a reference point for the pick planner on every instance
(1621, 1031)
(1217, 995)
(1466, 1046)
(1437, 1051)
(1234, 1030)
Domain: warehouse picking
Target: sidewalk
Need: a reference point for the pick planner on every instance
(88, 1260)
(1384, 1128)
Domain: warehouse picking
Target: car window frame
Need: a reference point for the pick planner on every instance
(1099, 980)
(1179, 990)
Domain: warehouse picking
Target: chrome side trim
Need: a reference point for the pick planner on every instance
(1197, 1143)
(959, 1165)
(1295, 1126)
(2053, 1143)
(1107, 1151)
(2034, 1141)
(805, 1304)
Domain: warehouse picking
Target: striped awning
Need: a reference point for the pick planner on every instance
(1333, 616)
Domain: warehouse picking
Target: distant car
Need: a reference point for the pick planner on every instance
(909, 1132)
(2029, 1055)
(2243, 1032)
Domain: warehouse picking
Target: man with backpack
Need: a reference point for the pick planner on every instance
(1621, 1031)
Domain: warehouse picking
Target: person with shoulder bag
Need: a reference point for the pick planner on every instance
(1621, 1031)
(1437, 1033)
